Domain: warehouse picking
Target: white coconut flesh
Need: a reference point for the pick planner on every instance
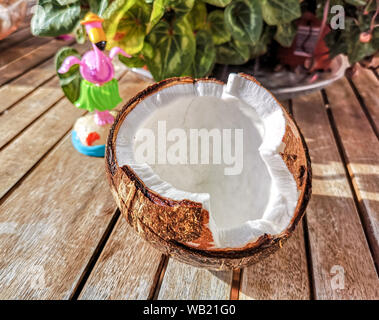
(261, 199)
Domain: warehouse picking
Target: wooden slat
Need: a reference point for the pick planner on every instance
(368, 87)
(51, 225)
(126, 269)
(29, 60)
(361, 147)
(184, 282)
(77, 217)
(338, 246)
(20, 87)
(20, 156)
(14, 38)
(20, 49)
(283, 275)
(16, 119)
(130, 85)
(13, 91)
(127, 266)
(32, 106)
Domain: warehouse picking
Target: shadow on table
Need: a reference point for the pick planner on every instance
(336, 238)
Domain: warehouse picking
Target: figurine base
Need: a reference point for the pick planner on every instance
(92, 151)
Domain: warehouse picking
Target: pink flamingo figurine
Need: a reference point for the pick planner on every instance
(99, 88)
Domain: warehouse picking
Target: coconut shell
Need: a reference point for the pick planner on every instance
(168, 225)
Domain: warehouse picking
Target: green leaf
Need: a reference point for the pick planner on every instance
(244, 21)
(66, 2)
(133, 62)
(174, 49)
(98, 6)
(321, 5)
(131, 30)
(180, 7)
(371, 6)
(147, 50)
(52, 19)
(357, 50)
(232, 52)
(218, 3)
(357, 3)
(80, 34)
(102, 7)
(347, 42)
(159, 7)
(69, 81)
(205, 54)
(113, 15)
(261, 46)
(198, 16)
(216, 25)
(285, 34)
(277, 12)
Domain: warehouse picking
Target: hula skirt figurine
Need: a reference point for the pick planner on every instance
(98, 89)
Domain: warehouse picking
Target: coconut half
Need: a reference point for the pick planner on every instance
(221, 212)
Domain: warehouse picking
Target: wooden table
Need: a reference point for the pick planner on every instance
(62, 237)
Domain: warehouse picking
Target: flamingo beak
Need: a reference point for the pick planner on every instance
(97, 36)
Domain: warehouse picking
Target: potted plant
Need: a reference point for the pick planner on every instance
(195, 37)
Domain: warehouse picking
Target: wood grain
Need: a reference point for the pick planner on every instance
(28, 109)
(39, 137)
(184, 282)
(22, 114)
(15, 52)
(51, 224)
(361, 149)
(283, 275)
(14, 38)
(29, 60)
(60, 192)
(338, 246)
(368, 87)
(20, 156)
(126, 268)
(15, 90)
(130, 85)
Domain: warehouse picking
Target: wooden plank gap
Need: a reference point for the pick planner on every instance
(15, 38)
(236, 284)
(158, 279)
(363, 215)
(32, 65)
(27, 95)
(364, 107)
(307, 243)
(308, 253)
(31, 123)
(95, 256)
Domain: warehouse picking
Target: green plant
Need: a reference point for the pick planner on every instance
(187, 37)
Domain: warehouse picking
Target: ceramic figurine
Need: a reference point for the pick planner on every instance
(98, 89)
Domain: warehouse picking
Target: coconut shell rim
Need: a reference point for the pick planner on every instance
(262, 242)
